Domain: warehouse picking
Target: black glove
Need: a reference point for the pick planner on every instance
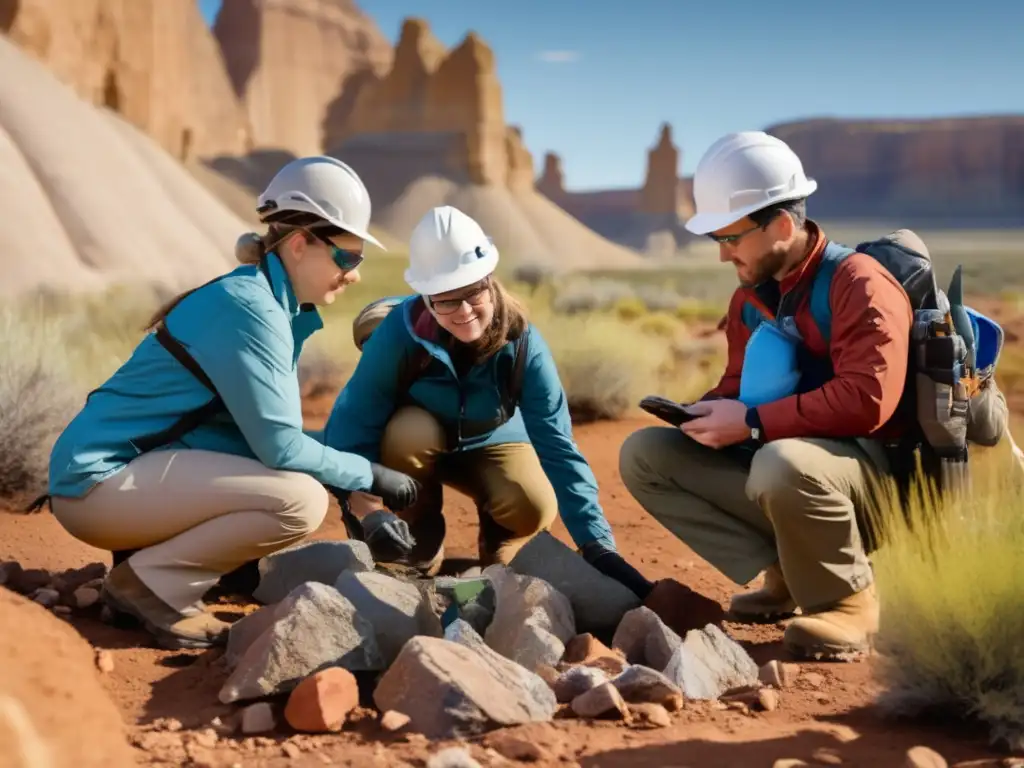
(396, 489)
(610, 563)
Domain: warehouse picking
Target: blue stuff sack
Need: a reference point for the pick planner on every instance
(770, 366)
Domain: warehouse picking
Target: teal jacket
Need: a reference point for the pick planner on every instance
(363, 407)
(246, 334)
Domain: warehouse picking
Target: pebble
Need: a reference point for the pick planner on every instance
(768, 698)
(393, 720)
(291, 750)
(813, 679)
(85, 597)
(923, 757)
(453, 757)
(258, 718)
(825, 756)
(788, 762)
(46, 597)
(651, 714)
(778, 674)
(321, 702)
(605, 699)
(105, 661)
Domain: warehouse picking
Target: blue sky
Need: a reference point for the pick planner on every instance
(593, 79)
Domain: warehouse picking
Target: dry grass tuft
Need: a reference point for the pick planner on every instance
(952, 592)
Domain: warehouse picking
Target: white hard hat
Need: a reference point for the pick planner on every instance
(323, 186)
(448, 250)
(742, 173)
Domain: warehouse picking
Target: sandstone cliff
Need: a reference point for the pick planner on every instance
(951, 172)
(289, 59)
(152, 61)
(432, 91)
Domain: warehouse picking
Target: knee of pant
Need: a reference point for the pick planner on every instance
(777, 471)
(412, 438)
(305, 504)
(641, 454)
(526, 509)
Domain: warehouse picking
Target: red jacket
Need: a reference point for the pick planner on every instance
(871, 324)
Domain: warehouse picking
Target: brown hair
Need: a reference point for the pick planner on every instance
(250, 248)
(509, 323)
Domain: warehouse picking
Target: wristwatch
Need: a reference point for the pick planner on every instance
(753, 420)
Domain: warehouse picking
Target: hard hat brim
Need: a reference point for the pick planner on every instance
(705, 223)
(451, 281)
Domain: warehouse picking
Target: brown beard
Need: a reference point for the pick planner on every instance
(767, 266)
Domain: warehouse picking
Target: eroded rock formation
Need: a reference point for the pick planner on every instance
(288, 60)
(152, 61)
(433, 91)
(552, 180)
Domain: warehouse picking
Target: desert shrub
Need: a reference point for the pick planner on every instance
(691, 310)
(583, 295)
(320, 373)
(658, 298)
(630, 308)
(659, 324)
(952, 595)
(38, 396)
(597, 389)
(532, 275)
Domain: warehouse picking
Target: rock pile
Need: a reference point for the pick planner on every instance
(453, 657)
(61, 593)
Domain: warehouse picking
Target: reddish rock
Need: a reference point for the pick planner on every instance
(322, 701)
(682, 609)
(584, 648)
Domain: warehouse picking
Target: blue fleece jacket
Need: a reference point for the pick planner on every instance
(363, 407)
(246, 334)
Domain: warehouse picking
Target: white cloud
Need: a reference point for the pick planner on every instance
(559, 57)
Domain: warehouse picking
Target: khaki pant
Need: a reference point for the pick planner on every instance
(514, 498)
(194, 516)
(798, 504)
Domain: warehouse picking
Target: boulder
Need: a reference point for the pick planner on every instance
(322, 561)
(598, 602)
(708, 663)
(313, 628)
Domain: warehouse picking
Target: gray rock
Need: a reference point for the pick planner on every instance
(576, 681)
(321, 561)
(314, 628)
(450, 690)
(603, 700)
(398, 610)
(645, 639)
(598, 601)
(639, 684)
(709, 663)
(532, 620)
(461, 632)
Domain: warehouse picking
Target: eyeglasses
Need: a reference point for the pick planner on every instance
(449, 306)
(730, 239)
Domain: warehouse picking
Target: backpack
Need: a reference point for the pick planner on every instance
(942, 374)
(417, 360)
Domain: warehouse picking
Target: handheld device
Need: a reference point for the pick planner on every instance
(667, 410)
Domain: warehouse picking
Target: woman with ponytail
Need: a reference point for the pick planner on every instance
(191, 460)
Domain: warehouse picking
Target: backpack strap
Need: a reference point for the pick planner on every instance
(821, 288)
(514, 389)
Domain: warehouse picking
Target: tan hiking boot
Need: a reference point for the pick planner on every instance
(770, 603)
(838, 632)
(193, 628)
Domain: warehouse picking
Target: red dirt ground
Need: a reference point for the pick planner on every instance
(822, 721)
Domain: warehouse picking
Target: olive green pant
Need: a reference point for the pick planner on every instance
(514, 498)
(801, 503)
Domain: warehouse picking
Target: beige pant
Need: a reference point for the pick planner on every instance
(194, 516)
(514, 498)
(798, 504)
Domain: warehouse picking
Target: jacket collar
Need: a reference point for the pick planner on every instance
(768, 293)
(305, 319)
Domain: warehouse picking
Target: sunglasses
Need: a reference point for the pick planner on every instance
(449, 306)
(345, 259)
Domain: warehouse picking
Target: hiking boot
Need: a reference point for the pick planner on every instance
(840, 631)
(124, 592)
(769, 604)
